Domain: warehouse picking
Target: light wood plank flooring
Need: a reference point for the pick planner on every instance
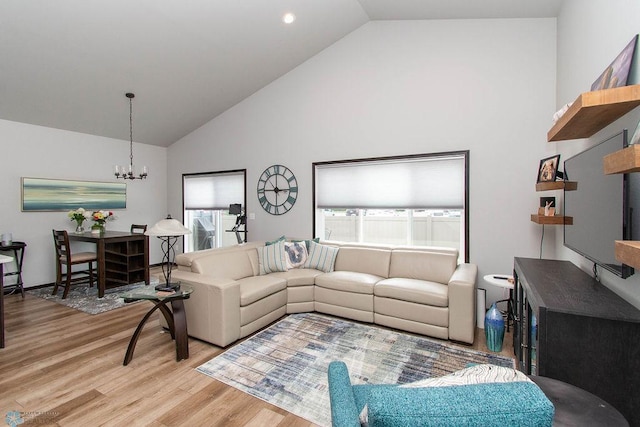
(64, 367)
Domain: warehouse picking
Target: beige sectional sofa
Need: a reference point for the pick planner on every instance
(417, 289)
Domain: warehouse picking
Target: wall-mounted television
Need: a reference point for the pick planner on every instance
(602, 207)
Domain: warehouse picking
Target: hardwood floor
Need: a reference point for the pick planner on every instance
(63, 367)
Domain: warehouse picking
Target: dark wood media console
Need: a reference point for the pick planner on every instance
(586, 335)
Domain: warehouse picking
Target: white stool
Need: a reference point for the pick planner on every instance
(503, 281)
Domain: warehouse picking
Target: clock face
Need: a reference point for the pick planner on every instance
(277, 189)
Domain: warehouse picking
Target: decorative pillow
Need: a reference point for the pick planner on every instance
(296, 254)
(272, 258)
(321, 257)
(273, 242)
(477, 374)
(307, 242)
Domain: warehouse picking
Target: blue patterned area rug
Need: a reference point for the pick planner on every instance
(85, 298)
(286, 364)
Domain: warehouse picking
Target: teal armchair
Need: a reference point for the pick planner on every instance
(493, 404)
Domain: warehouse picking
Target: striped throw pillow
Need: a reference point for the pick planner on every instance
(321, 257)
(272, 258)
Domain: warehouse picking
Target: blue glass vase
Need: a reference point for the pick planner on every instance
(494, 328)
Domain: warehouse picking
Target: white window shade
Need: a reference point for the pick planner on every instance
(416, 183)
(215, 191)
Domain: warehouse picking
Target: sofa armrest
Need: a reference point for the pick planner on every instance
(492, 404)
(213, 310)
(462, 303)
(344, 412)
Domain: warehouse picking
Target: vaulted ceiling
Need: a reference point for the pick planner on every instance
(67, 64)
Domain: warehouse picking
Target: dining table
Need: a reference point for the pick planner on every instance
(123, 257)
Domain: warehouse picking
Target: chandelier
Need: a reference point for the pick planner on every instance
(125, 172)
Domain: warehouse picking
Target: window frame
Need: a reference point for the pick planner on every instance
(462, 153)
(242, 172)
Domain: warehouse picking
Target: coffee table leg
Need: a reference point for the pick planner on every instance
(180, 322)
(134, 339)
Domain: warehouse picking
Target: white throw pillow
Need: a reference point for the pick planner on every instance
(296, 254)
(477, 374)
(272, 258)
(321, 257)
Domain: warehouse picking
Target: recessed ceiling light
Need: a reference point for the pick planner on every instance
(288, 18)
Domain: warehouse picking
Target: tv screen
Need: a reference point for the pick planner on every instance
(601, 207)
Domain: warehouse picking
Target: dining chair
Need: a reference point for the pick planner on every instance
(138, 228)
(64, 257)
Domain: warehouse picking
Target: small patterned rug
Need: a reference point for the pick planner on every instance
(85, 298)
(286, 364)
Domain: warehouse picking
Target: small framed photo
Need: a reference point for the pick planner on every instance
(636, 135)
(548, 169)
(547, 206)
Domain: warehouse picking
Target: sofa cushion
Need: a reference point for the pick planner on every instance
(364, 260)
(417, 291)
(348, 281)
(423, 265)
(272, 258)
(255, 288)
(321, 257)
(299, 276)
(226, 264)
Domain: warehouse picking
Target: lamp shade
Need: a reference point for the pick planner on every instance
(168, 227)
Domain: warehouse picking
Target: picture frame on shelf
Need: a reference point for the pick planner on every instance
(548, 169)
(617, 73)
(547, 206)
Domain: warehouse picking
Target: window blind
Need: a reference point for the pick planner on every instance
(413, 183)
(213, 191)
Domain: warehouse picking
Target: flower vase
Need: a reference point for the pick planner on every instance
(494, 328)
(79, 227)
(97, 229)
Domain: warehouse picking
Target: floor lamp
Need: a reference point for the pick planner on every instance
(168, 230)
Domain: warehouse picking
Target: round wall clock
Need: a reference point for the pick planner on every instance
(277, 189)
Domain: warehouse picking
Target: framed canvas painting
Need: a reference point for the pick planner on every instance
(41, 194)
(617, 73)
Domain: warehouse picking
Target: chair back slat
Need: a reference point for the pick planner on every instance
(61, 241)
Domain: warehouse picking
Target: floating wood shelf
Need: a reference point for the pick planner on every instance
(557, 185)
(552, 220)
(592, 111)
(628, 252)
(622, 161)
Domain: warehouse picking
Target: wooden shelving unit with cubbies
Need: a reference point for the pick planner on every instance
(592, 111)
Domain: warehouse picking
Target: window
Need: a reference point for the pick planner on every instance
(418, 200)
(206, 200)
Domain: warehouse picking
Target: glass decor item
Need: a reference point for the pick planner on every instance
(494, 328)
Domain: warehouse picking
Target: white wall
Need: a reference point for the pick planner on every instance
(41, 152)
(590, 35)
(394, 88)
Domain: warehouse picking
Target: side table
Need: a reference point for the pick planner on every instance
(577, 407)
(18, 254)
(3, 260)
(503, 281)
(175, 317)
